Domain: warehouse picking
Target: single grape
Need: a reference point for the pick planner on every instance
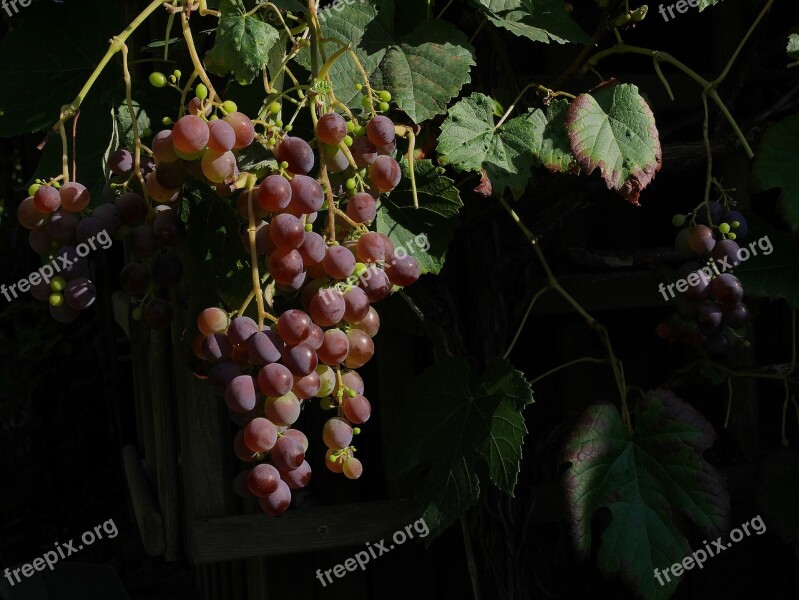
(278, 502)
(719, 345)
(327, 380)
(170, 176)
(274, 193)
(40, 241)
(64, 313)
(264, 347)
(334, 466)
(190, 134)
(339, 262)
(134, 279)
(362, 349)
(294, 326)
(331, 128)
(306, 387)
(157, 80)
(312, 249)
(385, 173)
(287, 453)
(28, 215)
(700, 239)
(216, 348)
(356, 409)
(240, 449)
(316, 337)
(307, 195)
(132, 208)
(380, 131)
(681, 244)
(337, 433)
(212, 320)
(727, 289)
(47, 199)
(335, 160)
(363, 151)
(362, 208)
(221, 374)
(218, 167)
(61, 225)
(243, 128)
(163, 147)
(736, 315)
(286, 267)
(240, 330)
(375, 283)
(403, 271)
(80, 293)
(369, 324)
(725, 253)
(274, 380)
(334, 348)
(74, 197)
(120, 162)
(709, 315)
(297, 153)
(158, 192)
(356, 305)
(327, 307)
(168, 228)
(286, 232)
(241, 398)
(352, 468)
(263, 480)
(301, 359)
(299, 477)
(283, 410)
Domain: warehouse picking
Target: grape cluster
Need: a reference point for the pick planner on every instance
(62, 231)
(710, 305)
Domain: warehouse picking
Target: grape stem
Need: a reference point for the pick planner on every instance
(195, 59)
(539, 88)
(134, 123)
(602, 332)
(256, 277)
(405, 131)
(576, 361)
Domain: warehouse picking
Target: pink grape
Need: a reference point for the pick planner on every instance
(278, 502)
(242, 127)
(297, 153)
(337, 433)
(275, 380)
(339, 262)
(385, 173)
(331, 128)
(380, 131)
(263, 480)
(274, 193)
(357, 409)
(190, 134)
(221, 136)
(46, 199)
(307, 195)
(74, 197)
(335, 348)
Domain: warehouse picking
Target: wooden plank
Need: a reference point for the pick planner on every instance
(148, 517)
(163, 414)
(243, 536)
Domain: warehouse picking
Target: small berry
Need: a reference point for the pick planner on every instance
(384, 96)
(678, 220)
(58, 284)
(56, 299)
(274, 108)
(348, 140)
(201, 91)
(350, 183)
(157, 79)
(358, 86)
(383, 106)
(724, 228)
(366, 102)
(229, 106)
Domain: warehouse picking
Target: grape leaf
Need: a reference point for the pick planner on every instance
(614, 131)
(242, 43)
(537, 20)
(423, 69)
(703, 4)
(778, 492)
(648, 480)
(125, 123)
(42, 72)
(461, 421)
(772, 272)
(470, 142)
(550, 140)
(435, 219)
(793, 45)
(775, 166)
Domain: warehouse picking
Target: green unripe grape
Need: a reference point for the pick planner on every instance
(147, 132)
(352, 393)
(56, 185)
(366, 102)
(678, 220)
(735, 224)
(383, 106)
(56, 299)
(350, 183)
(724, 228)
(57, 284)
(348, 140)
(358, 86)
(178, 74)
(288, 128)
(360, 130)
(32, 189)
(284, 165)
(360, 269)
(278, 123)
(356, 430)
(213, 118)
(274, 108)
(350, 126)
(309, 227)
(138, 313)
(166, 121)
(334, 243)
(157, 79)
(384, 96)
(173, 79)
(731, 236)
(229, 106)
(201, 91)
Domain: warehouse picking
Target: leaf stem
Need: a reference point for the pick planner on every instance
(571, 363)
(195, 59)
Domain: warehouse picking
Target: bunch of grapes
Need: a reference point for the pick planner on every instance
(63, 231)
(710, 307)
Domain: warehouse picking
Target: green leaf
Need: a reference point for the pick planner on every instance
(775, 167)
(423, 69)
(648, 480)
(793, 45)
(459, 423)
(537, 20)
(703, 4)
(242, 43)
(614, 130)
(550, 140)
(433, 222)
(470, 142)
(125, 123)
(778, 492)
(48, 56)
(772, 272)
